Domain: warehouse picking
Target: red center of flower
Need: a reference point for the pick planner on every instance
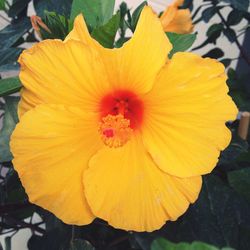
(125, 103)
(121, 113)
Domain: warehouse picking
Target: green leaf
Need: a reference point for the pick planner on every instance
(54, 239)
(59, 26)
(105, 34)
(136, 14)
(9, 56)
(79, 244)
(61, 7)
(12, 32)
(17, 7)
(239, 4)
(240, 181)
(180, 42)
(9, 122)
(2, 4)
(234, 17)
(214, 32)
(9, 86)
(233, 151)
(214, 53)
(162, 244)
(230, 34)
(208, 13)
(96, 12)
(226, 62)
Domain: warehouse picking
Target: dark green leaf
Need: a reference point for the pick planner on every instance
(214, 53)
(12, 32)
(121, 41)
(9, 122)
(239, 4)
(208, 13)
(234, 17)
(9, 86)
(59, 26)
(79, 244)
(2, 4)
(52, 240)
(226, 62)
(60, 7)
(136, 14)
(162, 244)
(180, 42)
(240, 181)
(17, 7)
(96, 12)
(234, 150)
(105, 34)
(214, 32)
(230, 34)
(9, 56)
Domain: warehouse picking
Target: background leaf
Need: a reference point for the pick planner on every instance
(180, 42)
(240, 181)
(239, 4)
(9, 122)
(136, 14)
(9, 86)
(162, 244)
(17, 7)
(79, 244)
(96, 12)
(12, 32)
(61, 7)
(214, 53)
(8, 59)
(105, 34)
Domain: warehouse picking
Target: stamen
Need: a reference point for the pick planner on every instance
(115, 130)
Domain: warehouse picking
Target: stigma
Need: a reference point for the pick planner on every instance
(115, 130)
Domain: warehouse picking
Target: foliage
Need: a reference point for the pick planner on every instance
(220, 219)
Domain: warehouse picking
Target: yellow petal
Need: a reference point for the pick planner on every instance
(181, 23)
(80, 32)
(184, 129)
(57, 72)
(51, 147)
(136, 64)
(124, 187)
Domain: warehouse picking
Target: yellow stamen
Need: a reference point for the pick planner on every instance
(115, 130)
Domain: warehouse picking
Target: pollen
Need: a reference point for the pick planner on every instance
(115, 130)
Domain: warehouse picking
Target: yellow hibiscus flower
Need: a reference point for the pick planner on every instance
(120, 134)
(177, 20)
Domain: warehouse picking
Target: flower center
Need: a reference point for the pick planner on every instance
(121, 113)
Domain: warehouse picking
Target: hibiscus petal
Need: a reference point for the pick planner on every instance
(124, 187)
(57, 72)
(136, 64)
(80, 32)
(51, 147)
(184, 129)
